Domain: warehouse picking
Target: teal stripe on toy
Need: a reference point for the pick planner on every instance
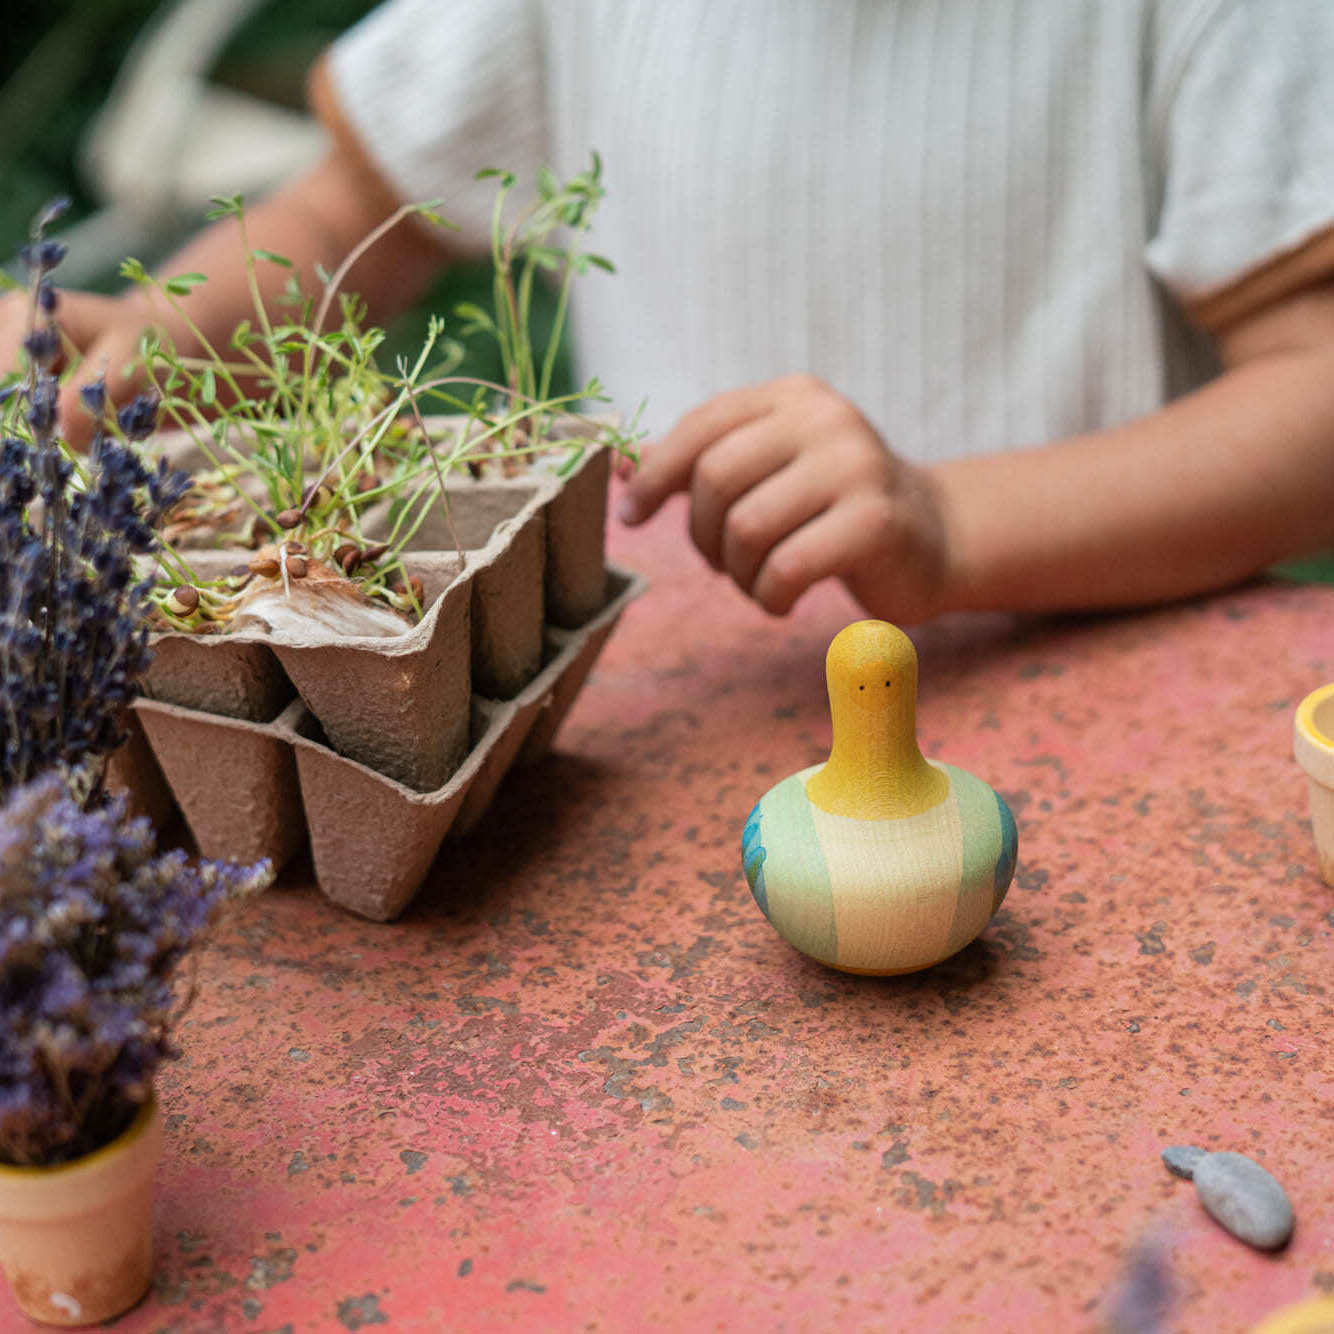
(752, 858)
(794, 891)
(1009, 851)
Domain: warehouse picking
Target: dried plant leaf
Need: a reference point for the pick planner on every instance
(323, 603)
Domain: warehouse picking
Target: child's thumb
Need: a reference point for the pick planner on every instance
(111, 359)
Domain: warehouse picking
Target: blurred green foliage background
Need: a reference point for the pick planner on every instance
(57, 67)
(59, 61)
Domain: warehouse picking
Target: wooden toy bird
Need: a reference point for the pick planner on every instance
(878, 861)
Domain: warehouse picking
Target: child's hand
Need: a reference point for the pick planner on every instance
(789, 484)
(104, 331)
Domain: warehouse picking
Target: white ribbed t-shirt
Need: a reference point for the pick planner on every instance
(978, 219)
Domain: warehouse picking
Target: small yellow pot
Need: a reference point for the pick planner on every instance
(1313, 1316)
(76, 1239)
(1313, 745)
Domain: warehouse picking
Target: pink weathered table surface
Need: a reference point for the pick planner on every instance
(582, 1084)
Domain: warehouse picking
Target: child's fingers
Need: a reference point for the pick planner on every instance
(13, 327)
(727, 471)
(769, 512)
(84, 316)
(96, 334)
(112, 356)
(76, 422)
(667, 466)
(849, 536)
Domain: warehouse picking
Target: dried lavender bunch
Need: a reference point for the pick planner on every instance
(93, 924)
(73, 638)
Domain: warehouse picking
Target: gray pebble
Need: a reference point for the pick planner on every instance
(1239, 1194)
(1181, 1159)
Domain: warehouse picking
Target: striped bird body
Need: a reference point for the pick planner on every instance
(882, 895)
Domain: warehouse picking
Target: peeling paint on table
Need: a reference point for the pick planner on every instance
(582, 1084)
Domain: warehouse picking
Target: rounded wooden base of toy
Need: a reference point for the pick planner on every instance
(878, 898)
(884, 972)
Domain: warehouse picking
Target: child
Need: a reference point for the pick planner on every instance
(1020, 304)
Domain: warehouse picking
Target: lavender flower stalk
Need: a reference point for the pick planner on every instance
(92, 927)
(73, 639)
(93, 923)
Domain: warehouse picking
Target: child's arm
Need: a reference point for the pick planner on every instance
(789, 484)
(314, 220)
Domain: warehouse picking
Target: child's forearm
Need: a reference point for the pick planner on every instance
(790, 484)
(314, 222)
(1193, 497)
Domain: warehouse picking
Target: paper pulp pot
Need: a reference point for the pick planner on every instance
(76, 1239)
(1313, 745)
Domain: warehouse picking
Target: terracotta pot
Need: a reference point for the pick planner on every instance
(76, 1240)
(1313, 745)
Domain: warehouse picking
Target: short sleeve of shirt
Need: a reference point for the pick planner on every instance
(1247, 148)
(431, 92)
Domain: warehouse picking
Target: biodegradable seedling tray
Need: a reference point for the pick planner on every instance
(260, 738)
(250, 790)
(532, 553)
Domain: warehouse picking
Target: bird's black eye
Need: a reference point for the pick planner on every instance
(886, 685)
(861, 687)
